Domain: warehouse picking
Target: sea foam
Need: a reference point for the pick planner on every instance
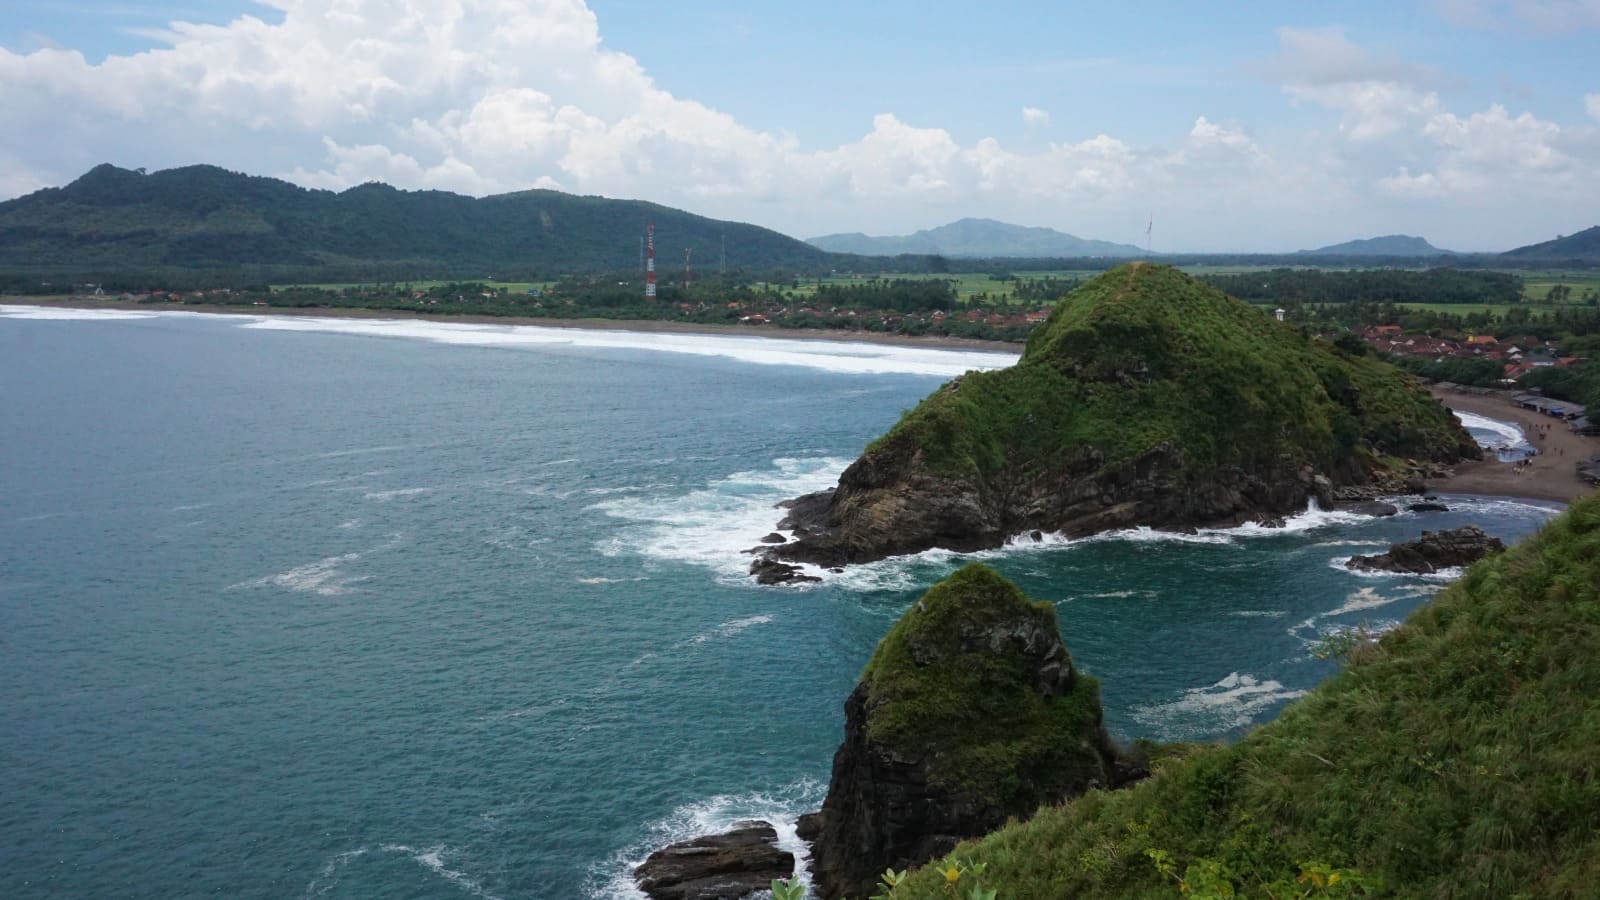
(1233, 702)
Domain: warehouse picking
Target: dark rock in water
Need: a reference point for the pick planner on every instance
(808, 827)
(1416, 485)
(774, 538)
(1037, 535)
(1434, 551)
(1266, 521)
(721, 867)
(1371, 508)
(1428, 507)
(768, 571)
(970, 713)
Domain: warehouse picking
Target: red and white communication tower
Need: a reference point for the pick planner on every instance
(650, 261)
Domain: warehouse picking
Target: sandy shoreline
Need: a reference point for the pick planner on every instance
(1551, 475)
(647, 326)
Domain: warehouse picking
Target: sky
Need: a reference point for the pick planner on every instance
(1265, 127)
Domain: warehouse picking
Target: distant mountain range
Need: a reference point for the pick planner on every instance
(976, 237)
(1387, 245)
(203, 217)
(1583, 245)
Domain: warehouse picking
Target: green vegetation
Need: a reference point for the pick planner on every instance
(973, 714)
(1145, 356)
(119, 222)
(1455, 757)
(1442, 285)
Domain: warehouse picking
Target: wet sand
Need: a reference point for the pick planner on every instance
(931, 342)
(1551, 475)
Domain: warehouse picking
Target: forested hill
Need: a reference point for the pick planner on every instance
(977, 238)
(1403, 245)
(203, 217)
(1583, 245)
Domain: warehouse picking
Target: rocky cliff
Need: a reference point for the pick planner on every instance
(1147, 398)
(969, 714)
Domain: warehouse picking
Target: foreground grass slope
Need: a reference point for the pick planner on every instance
(1457, 757)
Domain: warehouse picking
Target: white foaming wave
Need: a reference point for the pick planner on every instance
(1364, 599)
(1507, 435)
(1233, 702)
(323, 577)
(1351, 543)
(601, 579)
(430, 858)
(1259, 613)
(1443, 576)
(712, 526)
(730, 628)
(858, 358)
(65, 314)
(612, 879)
(382, 496)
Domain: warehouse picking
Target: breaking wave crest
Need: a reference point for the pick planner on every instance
(1234, 702)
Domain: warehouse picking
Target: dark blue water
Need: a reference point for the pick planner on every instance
(333, 610)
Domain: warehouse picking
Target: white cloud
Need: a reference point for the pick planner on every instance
(1033, 115)
(1376, 95)
(1491, 150)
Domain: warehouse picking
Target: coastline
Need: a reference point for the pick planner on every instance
(1550, 475)
(646, 326)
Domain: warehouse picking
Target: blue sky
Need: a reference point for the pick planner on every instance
(1258, 126)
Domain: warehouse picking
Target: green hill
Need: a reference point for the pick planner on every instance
(1453, 758)
(976, 238)
(1146, 398)
(203, 217)
(1585, 245)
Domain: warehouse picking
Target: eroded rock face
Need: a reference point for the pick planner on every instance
(924, 763)
(721, 867)
(1435, 550)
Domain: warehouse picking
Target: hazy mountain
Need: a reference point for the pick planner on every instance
(203, 217)
(1387, 245)
(976, 237)
(1583, 245)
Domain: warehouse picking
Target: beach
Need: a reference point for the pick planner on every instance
(1550, 475)
(648, 326)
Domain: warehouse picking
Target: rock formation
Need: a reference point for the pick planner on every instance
(1147, 398)
(1434, 551)
(723, 867)
(970, 713)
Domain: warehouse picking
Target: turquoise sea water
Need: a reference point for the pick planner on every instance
(298, 608)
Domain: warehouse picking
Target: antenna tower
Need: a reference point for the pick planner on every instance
(650, 261)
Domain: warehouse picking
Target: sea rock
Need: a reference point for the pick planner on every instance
(1370, 508)
(721, 867)
(1428, 506)
(970, 713)
(1434, 551)
(770, 571)
(774, 538)
(1128, 408)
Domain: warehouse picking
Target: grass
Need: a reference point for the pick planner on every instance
(975, 714)
(1453, 758)
(1145, 356)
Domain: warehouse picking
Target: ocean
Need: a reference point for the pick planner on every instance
(296, 607)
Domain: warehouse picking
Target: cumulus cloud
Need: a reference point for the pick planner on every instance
(1489, 150)
(1033, 115)
(1377, 95)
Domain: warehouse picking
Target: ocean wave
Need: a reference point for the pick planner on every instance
(848, 357)
(382, 496)
(712, 526)
(1443, 576)
(325, 577)
(1491, 433)
(1233, 702)
(430, 858)
(730, 628)
(612, 879)
(63, 314)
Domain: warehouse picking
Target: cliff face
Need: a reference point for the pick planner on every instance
(1147, 398)
(970, 713)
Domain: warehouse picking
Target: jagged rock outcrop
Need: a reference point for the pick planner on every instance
(721, 867)
(1435, 550)
(970, 713)
(1147, 398)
